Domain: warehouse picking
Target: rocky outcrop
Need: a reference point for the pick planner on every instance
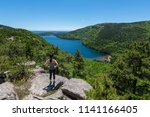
(76, 88)
(40, 88)
(12, 38)
(7, 91)
(67, 88)
(41, 84)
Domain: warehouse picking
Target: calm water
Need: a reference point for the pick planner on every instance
(72, 46)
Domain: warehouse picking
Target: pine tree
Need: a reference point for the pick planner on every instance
(78, 63)
(131, 71)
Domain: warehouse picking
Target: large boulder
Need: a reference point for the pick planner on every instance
(40, 85)
(76, 88)
(7, 91)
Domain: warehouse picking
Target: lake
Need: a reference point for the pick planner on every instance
(72, 46)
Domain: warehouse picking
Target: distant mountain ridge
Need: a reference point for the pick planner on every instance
(110, 37)
(48, 33)
(5, 27)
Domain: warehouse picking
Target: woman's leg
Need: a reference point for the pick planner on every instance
(50, 75)
(54, 72)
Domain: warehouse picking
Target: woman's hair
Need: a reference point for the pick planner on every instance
(51, 57)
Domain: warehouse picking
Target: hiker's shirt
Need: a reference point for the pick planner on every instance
(52, 65)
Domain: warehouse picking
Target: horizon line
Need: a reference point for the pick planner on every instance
(75, 28)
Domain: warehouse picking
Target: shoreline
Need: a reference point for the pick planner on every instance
(99, 54)
(103, 52)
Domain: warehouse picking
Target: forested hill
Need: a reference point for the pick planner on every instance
(18, 47)
(22, 43)
(4, 27)
(111, 37)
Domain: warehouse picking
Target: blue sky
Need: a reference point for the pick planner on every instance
(70, 14)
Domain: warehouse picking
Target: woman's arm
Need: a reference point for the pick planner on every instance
(56, 62)
(46, 62)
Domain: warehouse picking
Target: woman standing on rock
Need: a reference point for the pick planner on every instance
(52, 67)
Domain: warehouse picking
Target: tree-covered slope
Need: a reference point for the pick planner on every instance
(128, 77)
(20, 46)
(110, 37)
(30, 44)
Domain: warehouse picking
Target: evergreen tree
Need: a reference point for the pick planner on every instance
(131, 71)
(78, 63)
(29, 51)
(63, 71)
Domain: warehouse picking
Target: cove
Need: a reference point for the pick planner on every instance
(72, 46)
